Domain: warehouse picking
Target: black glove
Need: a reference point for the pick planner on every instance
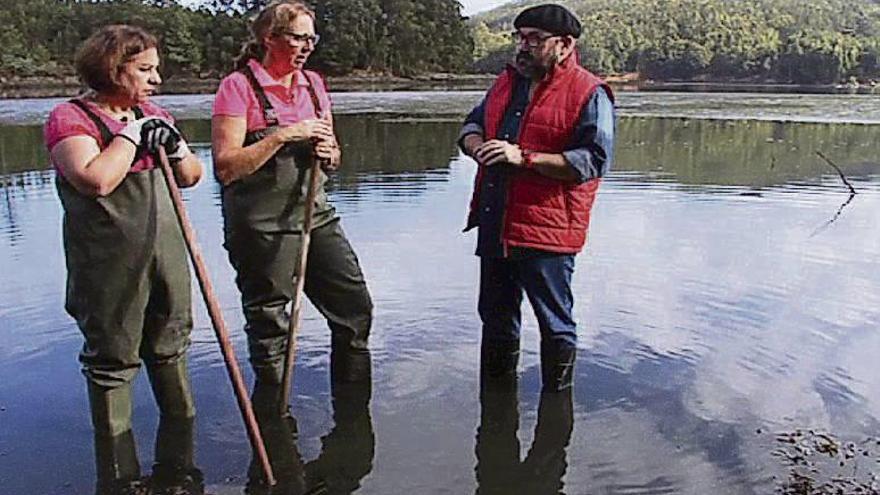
(159, 133)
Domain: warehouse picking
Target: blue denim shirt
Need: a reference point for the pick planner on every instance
(589, 153)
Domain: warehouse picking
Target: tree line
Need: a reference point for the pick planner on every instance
(796, 41)
(400, 37)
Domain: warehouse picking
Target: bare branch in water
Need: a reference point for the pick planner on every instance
(836, 215)
(852, 190)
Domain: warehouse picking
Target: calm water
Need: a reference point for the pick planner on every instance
(724, 296)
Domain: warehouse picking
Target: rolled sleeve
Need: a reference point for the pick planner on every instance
(590, 152)
(473, 124)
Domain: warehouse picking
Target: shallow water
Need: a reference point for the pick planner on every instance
(717, 302)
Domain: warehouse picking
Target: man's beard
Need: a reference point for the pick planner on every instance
(531, 67)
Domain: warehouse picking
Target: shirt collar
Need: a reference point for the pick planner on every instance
(265, 80)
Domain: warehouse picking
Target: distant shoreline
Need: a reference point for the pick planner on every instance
(45, 87)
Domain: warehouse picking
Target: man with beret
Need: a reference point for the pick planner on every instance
(542, 138)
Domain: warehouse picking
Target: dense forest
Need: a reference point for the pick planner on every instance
(793, 41)
(796, 41)
(402, 37)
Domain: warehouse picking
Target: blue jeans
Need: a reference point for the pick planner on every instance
(546, 280)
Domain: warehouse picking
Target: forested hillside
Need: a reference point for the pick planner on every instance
(402, 37)
(799, 41)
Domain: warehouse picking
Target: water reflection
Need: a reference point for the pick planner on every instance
(346, 455)
(499, 470)
(710, 309)
(742, 153)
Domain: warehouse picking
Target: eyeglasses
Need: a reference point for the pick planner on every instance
(532, 40)
(300, 38)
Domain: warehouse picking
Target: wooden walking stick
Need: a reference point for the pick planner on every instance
(296, 310)
(244, 403)
(302, 261)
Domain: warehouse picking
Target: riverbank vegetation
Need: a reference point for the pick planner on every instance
(779, 41)
(788, 41)
(399, 37)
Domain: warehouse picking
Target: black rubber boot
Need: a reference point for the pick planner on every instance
(498, 363)
(557, 366)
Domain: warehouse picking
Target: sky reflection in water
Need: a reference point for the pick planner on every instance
(709, 308)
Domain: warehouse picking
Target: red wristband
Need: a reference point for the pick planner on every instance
(528, 159)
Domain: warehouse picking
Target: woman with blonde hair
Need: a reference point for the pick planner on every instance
(271, 120)
(128, 284)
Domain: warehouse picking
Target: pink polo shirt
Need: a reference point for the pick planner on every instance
(68, 120)
(236, 98)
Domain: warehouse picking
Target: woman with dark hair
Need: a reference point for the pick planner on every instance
(128, 284)
(271, 120)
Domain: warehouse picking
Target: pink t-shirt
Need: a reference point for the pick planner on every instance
(68, 120)
(236, 98)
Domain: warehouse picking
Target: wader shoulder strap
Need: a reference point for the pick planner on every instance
(268, 110)
(106, 135)
(316, 103)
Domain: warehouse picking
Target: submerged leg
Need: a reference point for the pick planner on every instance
(174, 470)
(116, 458)
(336, 286)
(499, 308)
(547, 281)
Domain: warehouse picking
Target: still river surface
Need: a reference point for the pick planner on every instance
(724, 296)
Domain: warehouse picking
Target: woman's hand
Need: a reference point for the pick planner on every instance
(312, 129)
(329, 154)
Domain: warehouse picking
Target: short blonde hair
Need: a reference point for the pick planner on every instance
(102, 56)
(273, 19)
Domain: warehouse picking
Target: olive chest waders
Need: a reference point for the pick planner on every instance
(263, 216)
(128, 288)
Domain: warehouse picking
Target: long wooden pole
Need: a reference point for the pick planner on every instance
(244, 403)
(302, 262)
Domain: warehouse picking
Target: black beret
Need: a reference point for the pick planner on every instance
(552, 18)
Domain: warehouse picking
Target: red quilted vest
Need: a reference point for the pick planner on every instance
(541, 212)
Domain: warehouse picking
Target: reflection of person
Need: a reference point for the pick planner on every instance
(128, 284)
(347, 451)
(542, 137)
(499, 470)
(346, 455)
(271, 120)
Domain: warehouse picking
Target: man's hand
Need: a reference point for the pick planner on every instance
(471, 143)
(495, 151)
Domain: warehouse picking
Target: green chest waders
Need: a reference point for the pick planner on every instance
(128, 288)
(271, 199)
(263, 217)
